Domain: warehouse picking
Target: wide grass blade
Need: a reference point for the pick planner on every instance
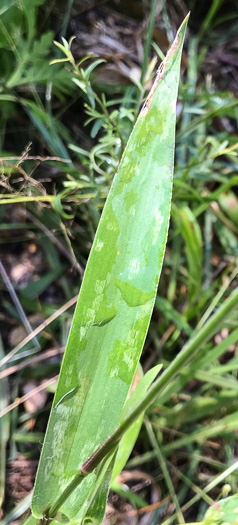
(116, 298)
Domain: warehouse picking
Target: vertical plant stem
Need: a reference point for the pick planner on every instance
(4, 432)
(66, 17)
(164, 469)
(148, 40)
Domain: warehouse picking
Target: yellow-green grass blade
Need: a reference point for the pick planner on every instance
(116, 298)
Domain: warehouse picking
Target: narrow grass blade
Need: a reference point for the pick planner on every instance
(46, 126)
(164, 469)
(148, 39)
(116, 298)
(18, 511)
(191, 233)
(223, 426)
(4, 432)
(127, 442)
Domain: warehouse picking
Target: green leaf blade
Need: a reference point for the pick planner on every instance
(116, 298)
(127, 442)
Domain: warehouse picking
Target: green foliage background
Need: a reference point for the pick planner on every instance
(188, 441)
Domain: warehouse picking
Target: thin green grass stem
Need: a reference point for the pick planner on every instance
(203, 493)
(164, 469)
(148, 40)
(217, 297)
